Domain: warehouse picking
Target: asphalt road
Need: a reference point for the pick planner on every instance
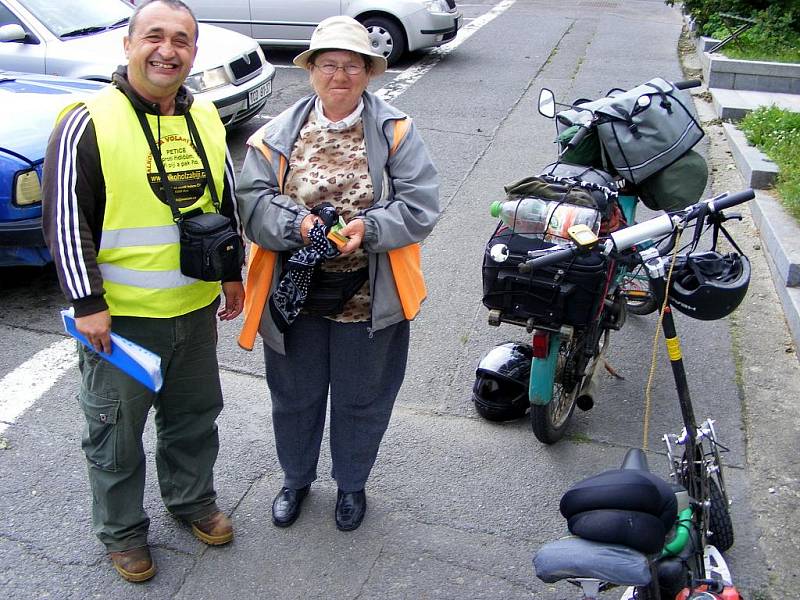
(458, 505)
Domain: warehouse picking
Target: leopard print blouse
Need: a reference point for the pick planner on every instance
(331, 166)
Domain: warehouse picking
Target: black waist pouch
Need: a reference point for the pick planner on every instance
(210, 248)
(330, 291)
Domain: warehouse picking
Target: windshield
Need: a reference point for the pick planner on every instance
(67, 16)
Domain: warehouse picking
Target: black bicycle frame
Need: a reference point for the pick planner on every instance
(694, 479)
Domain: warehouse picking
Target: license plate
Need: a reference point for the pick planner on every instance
(258, 94)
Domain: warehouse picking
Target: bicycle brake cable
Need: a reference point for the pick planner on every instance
(654, 354)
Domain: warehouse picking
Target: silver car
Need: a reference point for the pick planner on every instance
(83, 39)
(395, 26)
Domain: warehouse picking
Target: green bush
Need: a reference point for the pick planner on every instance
(774, 37)
(776, 132)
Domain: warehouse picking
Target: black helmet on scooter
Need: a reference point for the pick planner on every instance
(500, 392)
(709, 285)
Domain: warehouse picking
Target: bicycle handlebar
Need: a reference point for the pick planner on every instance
(718, 204)
(647, 230)
(552, 257)
(689, 83)
(651, 229)
(662, 225)
(578, 137)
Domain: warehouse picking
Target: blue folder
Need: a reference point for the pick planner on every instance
(138, 362)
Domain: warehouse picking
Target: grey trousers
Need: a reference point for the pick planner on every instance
(116, 408)
(363, 374)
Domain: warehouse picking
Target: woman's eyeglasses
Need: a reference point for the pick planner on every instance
(331, 68)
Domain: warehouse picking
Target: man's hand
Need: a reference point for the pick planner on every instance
(234, 300)
(355, 231)
(97, 329)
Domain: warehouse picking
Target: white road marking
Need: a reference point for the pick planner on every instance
(408, 77)
(30, 381)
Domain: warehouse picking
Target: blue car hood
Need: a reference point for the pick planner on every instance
(31, 104)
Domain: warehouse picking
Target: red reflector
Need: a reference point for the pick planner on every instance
(541, 343)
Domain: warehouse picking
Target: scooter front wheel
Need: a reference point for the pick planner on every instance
(636, 291)
(550, 422)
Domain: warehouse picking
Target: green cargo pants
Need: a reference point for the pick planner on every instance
(116, 408)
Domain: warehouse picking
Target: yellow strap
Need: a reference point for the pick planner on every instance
(401, 127)
(261, 263)
(407, 261)
(257, 141)
(260, 267)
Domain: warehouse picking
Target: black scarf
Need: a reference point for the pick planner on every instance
(288, 298)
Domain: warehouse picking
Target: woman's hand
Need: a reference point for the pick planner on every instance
(355, 231)
(306, 224)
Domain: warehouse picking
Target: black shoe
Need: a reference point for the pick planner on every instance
(286, 506)
(350, 509)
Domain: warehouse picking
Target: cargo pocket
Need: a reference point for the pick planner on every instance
(100, 435)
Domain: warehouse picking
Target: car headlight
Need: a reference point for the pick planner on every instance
(437, 6)
(260, 53)
(27, 189)
(207, 80)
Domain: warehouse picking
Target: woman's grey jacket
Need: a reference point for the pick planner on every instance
(405, 209)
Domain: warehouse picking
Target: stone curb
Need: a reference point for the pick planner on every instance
(780, 234)
(758, 171)
(722, 72)
(779, 231)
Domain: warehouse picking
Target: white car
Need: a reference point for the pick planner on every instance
(83, 39)
(395, 26)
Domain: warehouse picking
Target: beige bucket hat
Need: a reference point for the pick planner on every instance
(342, 33)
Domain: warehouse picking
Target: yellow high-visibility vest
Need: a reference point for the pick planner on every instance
(139, 254)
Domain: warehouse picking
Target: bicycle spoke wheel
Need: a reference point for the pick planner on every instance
(635, 289)
(550, 422)
(719, 518)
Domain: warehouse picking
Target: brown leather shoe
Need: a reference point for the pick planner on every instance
(134, 565)
(215, 530)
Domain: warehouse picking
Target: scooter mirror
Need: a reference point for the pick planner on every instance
(547, 103)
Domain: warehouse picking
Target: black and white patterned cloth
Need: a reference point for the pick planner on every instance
(288, 298)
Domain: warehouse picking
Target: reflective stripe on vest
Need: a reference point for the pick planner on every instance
(140, 236)
(139, 255)
(152, 280)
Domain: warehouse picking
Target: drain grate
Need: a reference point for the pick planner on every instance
(599, 4)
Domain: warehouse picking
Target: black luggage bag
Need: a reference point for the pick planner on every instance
(567, 293)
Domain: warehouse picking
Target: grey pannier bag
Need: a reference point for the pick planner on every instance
(642, 130)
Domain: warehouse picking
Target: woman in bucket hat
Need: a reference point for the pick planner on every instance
(334, 317)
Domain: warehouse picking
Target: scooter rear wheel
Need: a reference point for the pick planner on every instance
(550, 422)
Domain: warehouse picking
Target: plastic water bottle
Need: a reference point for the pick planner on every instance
(532, 217)
(525, 216)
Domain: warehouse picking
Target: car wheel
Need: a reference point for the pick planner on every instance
(386, 38)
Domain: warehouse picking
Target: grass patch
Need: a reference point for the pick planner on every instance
(776, 132)
(760, 45)
(775, 37)
(757, 52)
